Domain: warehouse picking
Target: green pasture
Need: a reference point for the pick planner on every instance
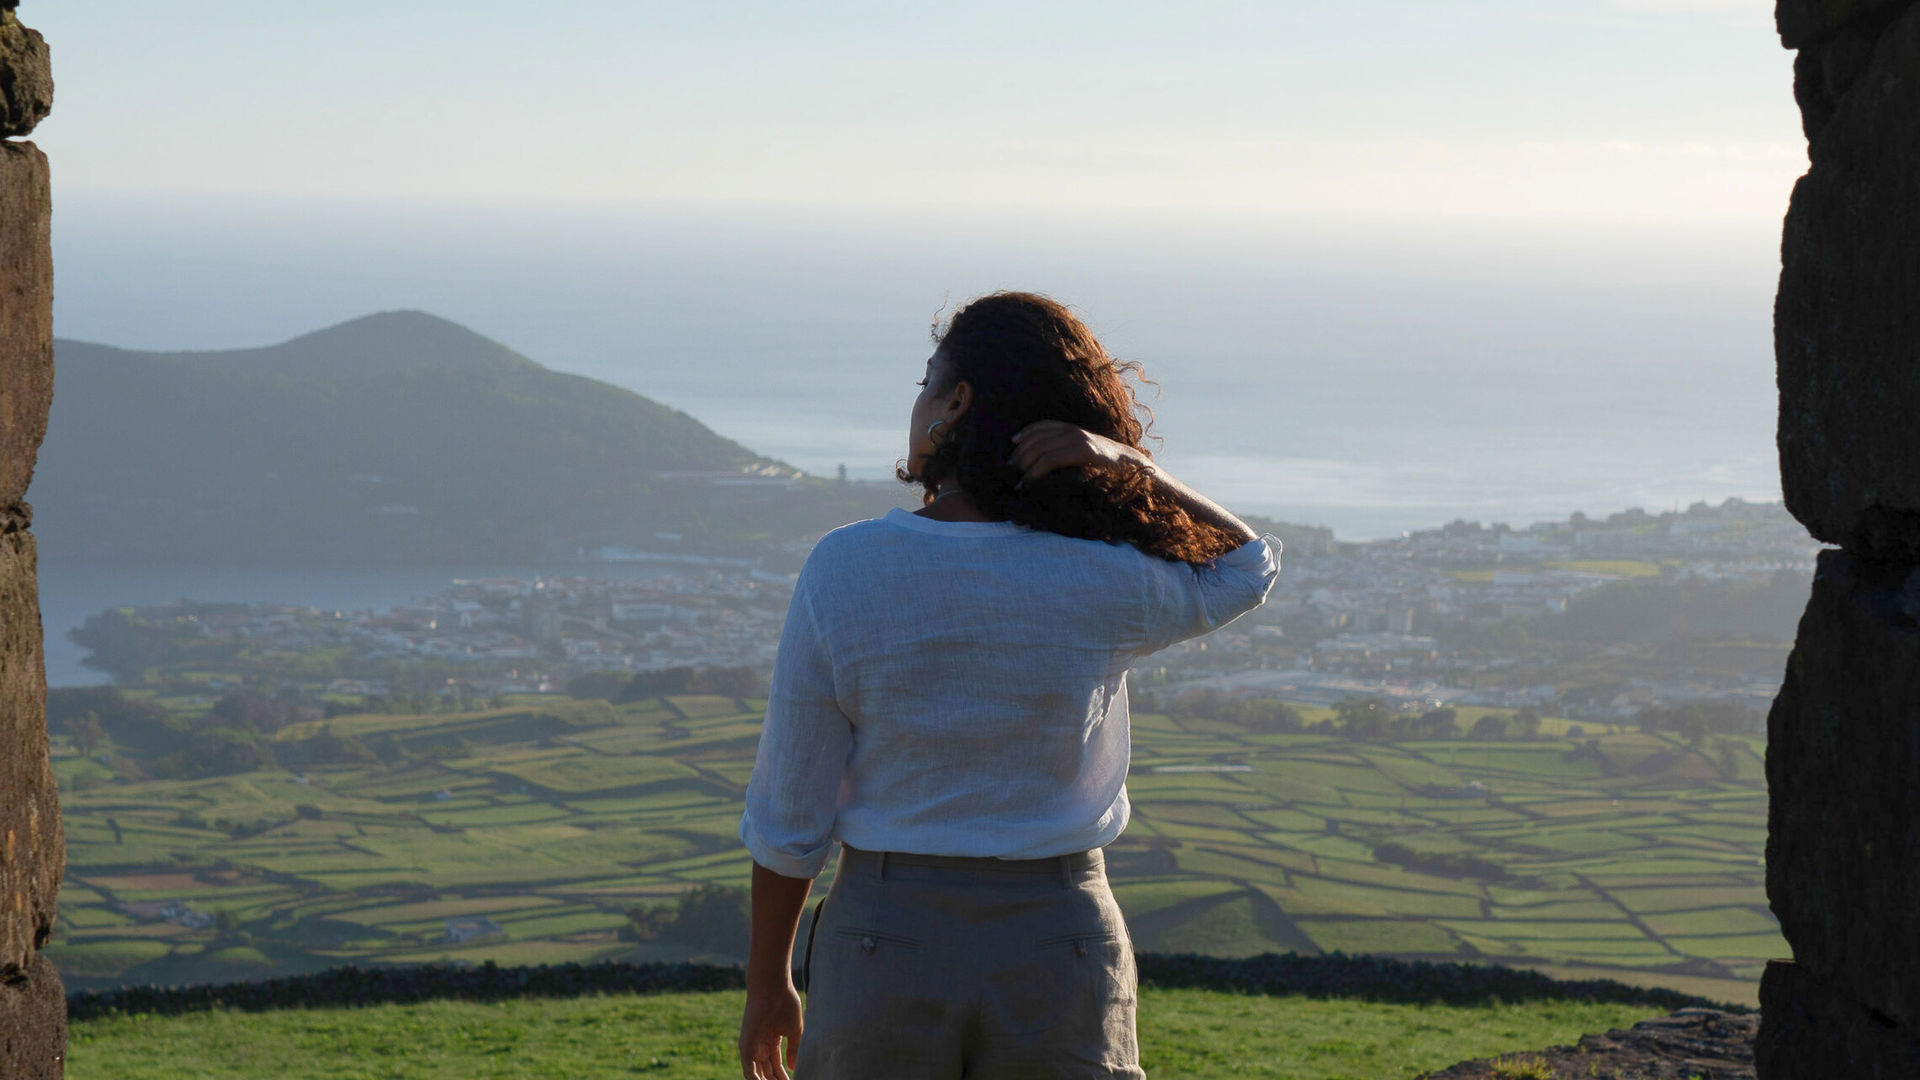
(554, 817)
(1197, 1034)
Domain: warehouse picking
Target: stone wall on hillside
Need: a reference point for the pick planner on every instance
(33, 1016)
(1843, 757)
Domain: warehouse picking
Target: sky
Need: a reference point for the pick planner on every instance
(1396, 261)
(1596, 110)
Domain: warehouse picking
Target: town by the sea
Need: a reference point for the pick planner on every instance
(1376, 380)
(1459, 615)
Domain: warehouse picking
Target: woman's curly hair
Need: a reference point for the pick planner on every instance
(1029, 358)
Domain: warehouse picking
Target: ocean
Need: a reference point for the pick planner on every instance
(1373, 376)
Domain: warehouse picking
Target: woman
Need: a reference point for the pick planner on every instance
(949, 703)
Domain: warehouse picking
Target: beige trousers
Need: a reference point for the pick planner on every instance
(925, 967)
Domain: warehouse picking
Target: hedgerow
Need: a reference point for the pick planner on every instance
(1414, 982)
(1334, 975)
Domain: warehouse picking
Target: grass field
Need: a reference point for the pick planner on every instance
(1183, 1033)
(1641, 861)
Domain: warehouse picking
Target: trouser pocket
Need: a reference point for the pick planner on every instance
(1079, 942)
(872, 988)
(870, 941)
(1079, 981)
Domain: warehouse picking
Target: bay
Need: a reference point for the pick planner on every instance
(1374, 376)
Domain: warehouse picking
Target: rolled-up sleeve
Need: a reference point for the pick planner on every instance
(794, 792)
(1184, 601)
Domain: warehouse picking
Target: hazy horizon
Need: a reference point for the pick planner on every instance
(1392, 263)
(1370, 376)
(1576, 109)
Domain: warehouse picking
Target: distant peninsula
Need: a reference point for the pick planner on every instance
(399, 437)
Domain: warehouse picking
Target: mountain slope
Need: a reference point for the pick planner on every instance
(396, 437)
(371, 347)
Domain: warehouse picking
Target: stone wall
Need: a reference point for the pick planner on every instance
(1843, 757)
(33, 1018)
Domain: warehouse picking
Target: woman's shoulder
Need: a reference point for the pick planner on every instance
(854, 545)
(853, 536)
(843, 545)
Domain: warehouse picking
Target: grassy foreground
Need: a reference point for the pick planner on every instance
(1183, 1033)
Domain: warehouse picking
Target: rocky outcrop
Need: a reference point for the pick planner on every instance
(1807, 22)
(32, 848)
(26, 319)
(33, 1023)
(1843, 850)
(1814, 1028)
(26, 77)
(1846, 337)
(1692, 1044)
(1843, 758)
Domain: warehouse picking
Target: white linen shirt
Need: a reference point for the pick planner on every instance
(959, 688)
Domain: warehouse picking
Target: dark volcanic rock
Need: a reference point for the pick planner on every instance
(1843, 761)
(32, 844)
(1692, 1044)
(1824, 72)
(1802, 22)
(26, 77)
(26, 314)
(33, 1013)
(32, 851)
(1809, 1027)
(33, 1024)
(1847, 320)
(1843, 846)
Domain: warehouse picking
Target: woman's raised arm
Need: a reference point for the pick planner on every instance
(1046, 445)
(1180, 600)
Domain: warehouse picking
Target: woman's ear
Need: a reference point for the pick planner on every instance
(959, 400)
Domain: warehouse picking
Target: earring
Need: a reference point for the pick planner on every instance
(930, 428)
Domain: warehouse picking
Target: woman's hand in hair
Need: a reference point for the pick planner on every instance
(1046, 445)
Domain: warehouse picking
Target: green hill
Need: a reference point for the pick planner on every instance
(398, 437)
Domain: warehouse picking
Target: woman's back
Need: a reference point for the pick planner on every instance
(949, 699)
(957, 688)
